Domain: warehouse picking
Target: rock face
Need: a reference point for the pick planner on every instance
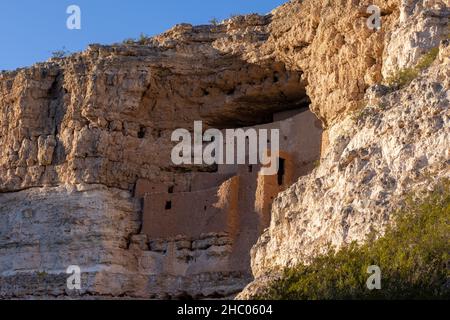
(422, 25)
(373, 162)
(78, 133)
(397, 144)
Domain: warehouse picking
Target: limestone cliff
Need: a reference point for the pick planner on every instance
(78, 133)
(395, 145)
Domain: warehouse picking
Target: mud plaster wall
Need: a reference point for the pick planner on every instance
(300, 136)
(236, 199)
(191, 213)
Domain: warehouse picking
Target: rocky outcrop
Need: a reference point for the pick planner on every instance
(396, 145)
(102, 120)
(331, 43)
(78, 133)
(46, 230)
(421, 26)
(372, 164)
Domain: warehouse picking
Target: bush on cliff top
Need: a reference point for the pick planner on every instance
(413, 256)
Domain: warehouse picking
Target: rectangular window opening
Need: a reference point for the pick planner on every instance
(281, 171)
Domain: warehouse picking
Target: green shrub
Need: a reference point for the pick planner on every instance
(142, 39)
(402, 78)
(405, 76)
(413, 255)
(214, 21)
(427, 59)
(59, 54)
(129, 41)
(316, 163)
(42, 274)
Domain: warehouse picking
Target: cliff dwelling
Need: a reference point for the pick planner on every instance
(87, 176)
(230, 200)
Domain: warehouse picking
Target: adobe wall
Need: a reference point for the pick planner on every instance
(268, 187)
(300, 136)
(249, 220)
(300, 147)
(171, 184)
(186, 182)
(192, 214)
(236, 200)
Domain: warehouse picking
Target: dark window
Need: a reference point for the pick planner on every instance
(231, 91)
(168, 205)
(171, 189)
(250, 168)
(281, 170)
(141, 133)
(276, 77)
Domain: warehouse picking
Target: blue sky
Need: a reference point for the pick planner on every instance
(30, 30)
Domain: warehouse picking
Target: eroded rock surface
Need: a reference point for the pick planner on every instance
(397, 145)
